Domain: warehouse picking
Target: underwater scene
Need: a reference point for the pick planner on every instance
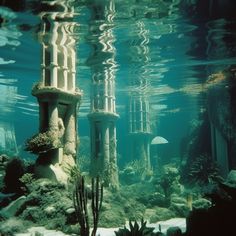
(117, 117)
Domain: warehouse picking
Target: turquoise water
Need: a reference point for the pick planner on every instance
(169, 47)
(156, 119)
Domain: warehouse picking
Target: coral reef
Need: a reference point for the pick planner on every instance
(42, 142)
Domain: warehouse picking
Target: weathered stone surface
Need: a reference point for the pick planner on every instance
(231, 178)
(13, 207)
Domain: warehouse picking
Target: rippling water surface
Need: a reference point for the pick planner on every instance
(164, 50)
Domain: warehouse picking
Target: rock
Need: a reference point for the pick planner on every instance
(180, 209)
(231, 178)
(161, 214)
(150, 214)
(6, 196)
(60, 175)
(50, 210)
(13, 207)
(201, 203)
(41, 231)
(174, 231)
(70, 211)
(165, 225)
(178, 200)
(112, 218)
(12, 226)
(179, 206)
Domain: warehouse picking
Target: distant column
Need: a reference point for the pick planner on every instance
(139, 124)
(103, 113)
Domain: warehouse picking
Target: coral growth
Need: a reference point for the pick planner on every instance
(42, 142)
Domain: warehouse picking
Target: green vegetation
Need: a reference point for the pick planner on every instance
(136, 229)
(73, 173)
(203, 170)
(42, 142)
(135, 171)
(80, 200)
(167, 180)
(27, 178)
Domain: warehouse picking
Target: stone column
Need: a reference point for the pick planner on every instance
(102, 92)
(139, 125)
(57, 95)
(53, 116)
(54, 51)
(70, 131)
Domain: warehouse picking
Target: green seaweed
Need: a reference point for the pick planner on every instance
(136, 229)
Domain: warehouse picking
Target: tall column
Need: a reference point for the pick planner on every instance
(70, 127)
(139, 125)
(56, 92)
(103, 114)
(53, 116)
(54, 64)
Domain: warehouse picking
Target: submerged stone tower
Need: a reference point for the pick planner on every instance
(139, 129)
(138, 107)
(103, 114)
(57, 93)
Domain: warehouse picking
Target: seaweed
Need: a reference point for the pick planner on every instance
(80, 200)
(203, 170)
(136, 230)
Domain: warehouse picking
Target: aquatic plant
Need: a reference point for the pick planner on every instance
(12, 226)
(80, 200)
(97, 198)
(136, 229)
(166, 183)
(42, 142)
(27, 180)
(137, 166)
(73, 173)
(203, 170)
(167, 180)
(134, 171)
